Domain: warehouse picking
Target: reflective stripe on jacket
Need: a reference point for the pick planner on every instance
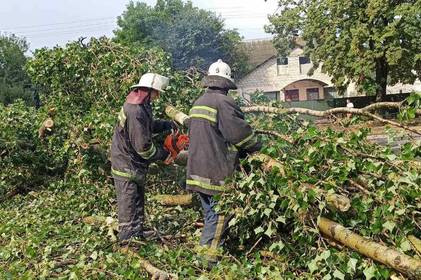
(132, 149)
(217, 132)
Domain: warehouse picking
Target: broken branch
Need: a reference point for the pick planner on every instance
(363, 112)
(156, 273)
(371, 249)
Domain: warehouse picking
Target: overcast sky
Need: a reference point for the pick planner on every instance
(52, 22)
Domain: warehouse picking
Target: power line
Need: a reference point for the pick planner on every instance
(58, 23)
(76, 27)
(70, 32)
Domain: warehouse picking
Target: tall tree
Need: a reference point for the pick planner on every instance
(373, 43)
(194, 37)
(13, 78)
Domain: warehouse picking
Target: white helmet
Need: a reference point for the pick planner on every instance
(154, 81)
(220, 69)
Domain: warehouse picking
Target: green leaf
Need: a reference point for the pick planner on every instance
(405, 246)
(325, 255)
(258, 230)
(351, 265)
(389, 225)
(281, 219)
(339, 275)
(370, 272)
(313, 266)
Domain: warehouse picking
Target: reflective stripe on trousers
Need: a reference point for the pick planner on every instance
(215, 228)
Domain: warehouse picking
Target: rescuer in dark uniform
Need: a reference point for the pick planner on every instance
(132, 151)
(218, 134)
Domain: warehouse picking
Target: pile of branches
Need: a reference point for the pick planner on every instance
(314, 197)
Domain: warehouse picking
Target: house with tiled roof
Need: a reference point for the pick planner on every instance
(288, 79)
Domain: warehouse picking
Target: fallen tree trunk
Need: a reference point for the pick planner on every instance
(385, 255)
(156, 273)
(370, 108)
(363, 112)
(174, 200)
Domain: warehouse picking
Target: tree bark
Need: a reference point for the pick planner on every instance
(156, 273)
(385, 255)
(174, 200)
(363, 112)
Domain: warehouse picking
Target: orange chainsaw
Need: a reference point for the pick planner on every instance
(175, 143)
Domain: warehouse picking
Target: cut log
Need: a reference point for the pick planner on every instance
(174, 200)
(385, 255)
(337, 201)
(47, 126)
(156, 273)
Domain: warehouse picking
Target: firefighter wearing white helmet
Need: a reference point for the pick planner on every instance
(132, 150)
(152, 81)
(219, 75)
(219, 135)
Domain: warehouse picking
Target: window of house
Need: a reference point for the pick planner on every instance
(272, 95)
(304, 60)
(292, 95)
(312, 93)
(282, 61)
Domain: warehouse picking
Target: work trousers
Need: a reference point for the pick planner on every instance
(215, 228)
(131, 208)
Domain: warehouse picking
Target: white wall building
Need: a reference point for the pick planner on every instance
(287, 79)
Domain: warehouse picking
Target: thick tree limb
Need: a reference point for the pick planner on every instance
(176, 115)
(385, 255)
(174, 200)
(363, 112)
(370, 108)
(358, 186)
(156, 273)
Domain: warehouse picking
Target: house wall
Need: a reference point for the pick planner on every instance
(271, 77)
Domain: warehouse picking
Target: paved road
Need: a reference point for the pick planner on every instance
(396, 145)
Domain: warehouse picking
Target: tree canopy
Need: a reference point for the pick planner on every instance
(194, 37)
(373, 43)
(13, 78)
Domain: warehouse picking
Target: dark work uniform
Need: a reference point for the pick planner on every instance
(132, 151)
(218, 133)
